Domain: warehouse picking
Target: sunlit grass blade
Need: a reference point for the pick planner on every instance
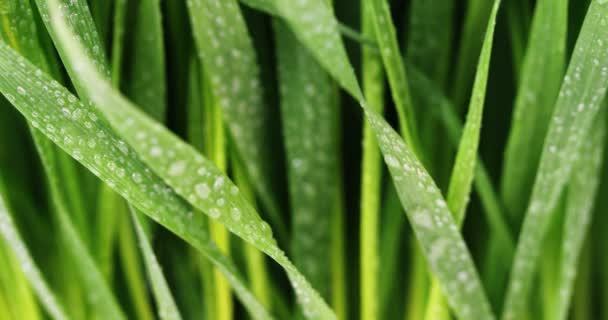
(542, 72)
(372, 82)
(582, 92)
(167, 310)
(13, 240)
(109, 159)
(225, 204)
(309, 137)
(231, 61)
(421, 199)
(581, 194)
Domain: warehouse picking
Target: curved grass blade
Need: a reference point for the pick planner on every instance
(542, 72)
(311, 161)
(582, 91)
(167, 309)
(466, 157)
(78, 130)
(314, 25)
(581, 194)
(231, 62)
(208, 190)
(380, 16)
(13, 240)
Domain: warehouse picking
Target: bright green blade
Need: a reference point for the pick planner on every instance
(582, 92)
(466, 157)
(373, 86)
(307, 112)
(542, 72)
(167, 310)
(581, 194)
(109, 158)
(13, 240)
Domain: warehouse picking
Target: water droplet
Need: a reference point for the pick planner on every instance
(21, 91)
(202, 190)
(177, 168)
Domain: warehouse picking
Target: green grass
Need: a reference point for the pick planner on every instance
(309, 159)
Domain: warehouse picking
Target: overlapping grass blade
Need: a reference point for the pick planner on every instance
(542, 72)
(231, 62)
(208, 190)
(581, 194)
(307, 105)
(380, 16)
(86, 137)
(13, 240)
(466, 158)
(582, 91)
(167, 310)
(431, 219)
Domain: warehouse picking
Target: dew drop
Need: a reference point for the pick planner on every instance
(202, 190)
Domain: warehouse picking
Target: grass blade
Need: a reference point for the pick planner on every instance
(167, 310)
(311, 162)
(466, 158)
(231, 59)
(580, 96)
(147, 82)
(541, 77)
(13, 240)
(372, 74)
(580, 196)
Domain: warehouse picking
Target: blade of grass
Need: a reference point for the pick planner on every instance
(198, 97)
(542, 71)
(147, 84)
(14, 241)
(311, 161)
(166, 305)
(231, 60)
(372, 82)
(225, 204)
(463, 172)
(109, 159)
(118, 33)
(475, 22)
(580, 96)
(380, 16)
(580, 196)
(317, 29)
